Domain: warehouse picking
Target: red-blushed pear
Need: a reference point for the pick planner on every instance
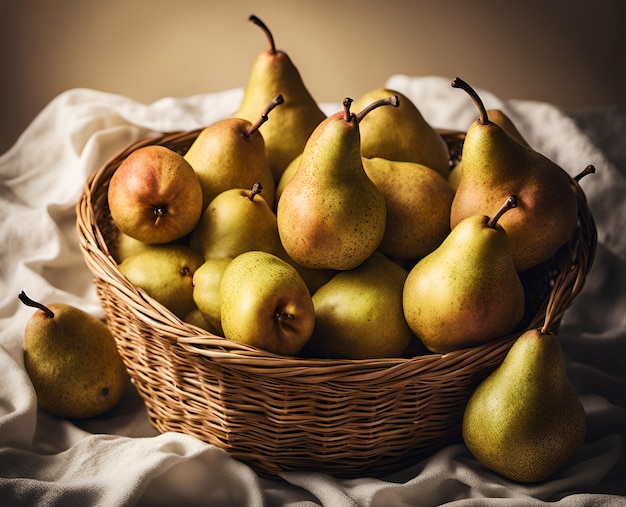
(154, 195)
(525, 421)
(265, 303)
(272, 73)
(467, 291)
(330, 214)
(230, 153)
(496, 165)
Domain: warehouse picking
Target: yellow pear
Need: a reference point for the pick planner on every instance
(358, 313)
(206, 290)
(274, 73)
(402, 134)
(467, 291)
(72, 361)
(525, 421)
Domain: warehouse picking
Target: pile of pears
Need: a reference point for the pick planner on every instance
(351, 235)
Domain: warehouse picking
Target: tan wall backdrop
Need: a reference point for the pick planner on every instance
(569, 53)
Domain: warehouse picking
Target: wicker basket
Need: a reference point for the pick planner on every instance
(344, 417)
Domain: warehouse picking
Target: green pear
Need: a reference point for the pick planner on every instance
(265, 303)
(165, 273)
(500, 118)
(125, 246)
(236, 221)
(330, 214)
(230, 153)
(496, 165)
(288, 173)
(154, 195)
(274, 73)
(525, 421)
(358, 313)
(402, 135)
(206, 290)
(467, 291)
(418, 206)
(72, 361)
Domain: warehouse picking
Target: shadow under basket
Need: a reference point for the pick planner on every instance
(348, 418)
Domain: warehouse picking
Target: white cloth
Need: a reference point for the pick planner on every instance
(120, 460)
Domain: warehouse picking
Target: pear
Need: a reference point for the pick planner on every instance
(358, 313)
(72, 361)
(265, 303)
(418, 206)
(206, 290)
(165, 273)
(402, 135)
(274, 73)
(330, 214)
(525, 421)
(195, 318)
(467, 291)
(496, 165)
(154, 195)
(236, 221)
(288, 173)
(230, 153)
(500, 118)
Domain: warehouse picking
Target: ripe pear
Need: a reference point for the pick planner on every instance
(72, 361)
(525, 421)
(330, 214)
(402, 134)
(236, 221)
(206, 290)
(467, 291)
(154, 195)
(496, 165)
(500, 118)
(418, 206)
(230, 153)
(265, 303)
(272, 73)
(358, 313)
(165, 273)
(195, 318)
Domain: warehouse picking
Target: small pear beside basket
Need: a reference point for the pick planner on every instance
(348, 418)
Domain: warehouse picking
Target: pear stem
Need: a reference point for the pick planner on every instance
(590, 169)
(347, 114)
(29, 302)
(264, 27)
(280, 315)
(276, 101)
(511, 202)
(257, 188)
(459, 83)
(388, 101)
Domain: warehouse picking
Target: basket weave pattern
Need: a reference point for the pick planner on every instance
(344, 417)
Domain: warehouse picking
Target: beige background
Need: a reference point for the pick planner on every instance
(569, 53)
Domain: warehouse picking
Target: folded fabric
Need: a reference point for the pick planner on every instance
(119, 459)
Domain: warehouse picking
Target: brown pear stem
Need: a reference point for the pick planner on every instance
(264, 27)
(511, 202)
(347, 114)
(29, 302)
(257, 188)
(387, 101)
(276, 101)
(590, 169)
(159, 212)
(280, 315)
(459, 83)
